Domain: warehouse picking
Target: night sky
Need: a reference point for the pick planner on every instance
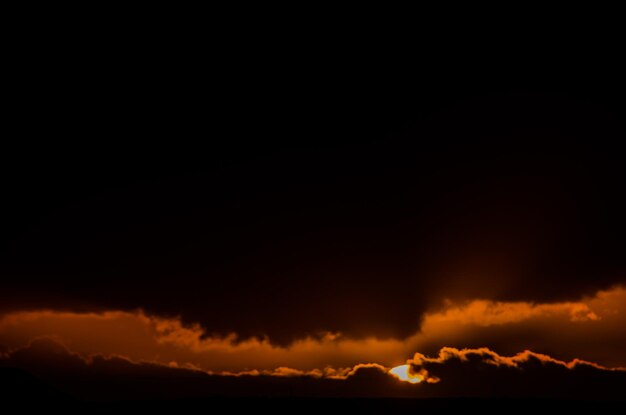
(273, 220)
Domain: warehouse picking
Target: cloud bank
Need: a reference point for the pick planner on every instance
(454, 373)
(590, 329)
(86, 353)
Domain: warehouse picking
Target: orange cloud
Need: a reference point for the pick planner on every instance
(489, 313)
(506, 327)
(150, 338)
(489, 357)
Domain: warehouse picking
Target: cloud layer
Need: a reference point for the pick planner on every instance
(114, 378)
(591, 329)
(454, 373)
(362, 240)
(87, 353)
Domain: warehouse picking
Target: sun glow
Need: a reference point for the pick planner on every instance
(404, 374)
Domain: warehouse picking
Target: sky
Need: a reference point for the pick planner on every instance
(315, 230)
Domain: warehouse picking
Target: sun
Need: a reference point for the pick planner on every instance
(404, 374)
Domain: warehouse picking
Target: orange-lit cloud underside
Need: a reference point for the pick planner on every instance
(591, 329)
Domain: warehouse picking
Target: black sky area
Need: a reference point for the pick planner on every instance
(290, 191)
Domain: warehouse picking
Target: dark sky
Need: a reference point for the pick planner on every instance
(269, 191)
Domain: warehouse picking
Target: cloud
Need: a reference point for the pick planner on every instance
(512, 326)
(589, 329)
(485, 373)
(302, 221)
(103, 378)
(151, 338)
(133, 355)
(453, 373)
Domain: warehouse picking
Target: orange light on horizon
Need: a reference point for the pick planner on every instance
(403, 373)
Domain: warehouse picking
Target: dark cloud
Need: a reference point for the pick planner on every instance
(115, 378)
(337, 206)
(454, 374)
(483, 373)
